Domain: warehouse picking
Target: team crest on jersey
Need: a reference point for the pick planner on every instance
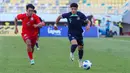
(78, 18)
(25, 35)
(31, 18)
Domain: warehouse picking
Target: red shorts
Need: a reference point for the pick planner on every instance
(33, 39)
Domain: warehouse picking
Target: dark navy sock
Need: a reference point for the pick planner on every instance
(80, 52)
(37, 45)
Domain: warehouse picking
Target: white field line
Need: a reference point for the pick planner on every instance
(112, 39)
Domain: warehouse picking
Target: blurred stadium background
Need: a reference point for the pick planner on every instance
(115, 13)
(60, 6)
(108, 55)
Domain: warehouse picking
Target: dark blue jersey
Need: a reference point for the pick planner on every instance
(75, 22)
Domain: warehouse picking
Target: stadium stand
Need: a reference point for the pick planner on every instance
(60, 6)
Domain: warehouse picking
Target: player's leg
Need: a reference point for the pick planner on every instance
(33, 41)
(32, 48)
(37, 46)
(73, 48)
(27, 40)
(74, 45)
(80, 53)
(29, 50)
(80, 50)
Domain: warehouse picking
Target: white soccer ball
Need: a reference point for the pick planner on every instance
(87, 64)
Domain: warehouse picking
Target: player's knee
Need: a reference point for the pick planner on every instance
(28, 42)
(74, 42)
(29, 45)
(80, 47)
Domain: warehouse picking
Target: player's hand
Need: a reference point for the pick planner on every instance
(16, 30)
(55, 27)
(88, 27)
(35, 26)
(40, 25)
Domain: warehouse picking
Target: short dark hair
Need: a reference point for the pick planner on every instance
(35, 11)
(74, 5)
(30, 6)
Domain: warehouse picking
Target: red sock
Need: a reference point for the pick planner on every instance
(30, 55)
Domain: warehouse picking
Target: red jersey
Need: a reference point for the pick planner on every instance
(28, 24)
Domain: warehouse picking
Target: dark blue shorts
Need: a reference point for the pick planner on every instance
(78, 38)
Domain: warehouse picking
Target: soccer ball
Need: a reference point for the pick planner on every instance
(87, 64)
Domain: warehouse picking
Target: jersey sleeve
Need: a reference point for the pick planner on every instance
(65, 15)
(40, 19)
(20, 16)
(37, 19)
(83, 17)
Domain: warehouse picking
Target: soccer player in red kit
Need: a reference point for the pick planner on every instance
(30, 25)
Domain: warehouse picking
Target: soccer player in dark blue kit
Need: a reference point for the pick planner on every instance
(75, 21)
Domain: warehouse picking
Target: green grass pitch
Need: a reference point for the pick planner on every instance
(108, 55)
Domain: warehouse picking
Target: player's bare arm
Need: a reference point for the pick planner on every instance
(39, 25)
(88, 24)
(57, 20)
(16, 28)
